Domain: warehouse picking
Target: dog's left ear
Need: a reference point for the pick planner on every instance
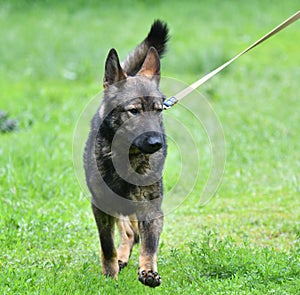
(113, 70)
(151, 65)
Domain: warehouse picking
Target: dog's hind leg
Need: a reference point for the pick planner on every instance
(129, 236)
(105, 224)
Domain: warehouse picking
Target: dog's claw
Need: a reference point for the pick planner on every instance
(121, 264)
(150, 278)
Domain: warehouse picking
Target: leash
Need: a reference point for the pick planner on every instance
(174, 99)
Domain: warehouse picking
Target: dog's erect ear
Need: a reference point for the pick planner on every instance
(151, 65)
(113, 70)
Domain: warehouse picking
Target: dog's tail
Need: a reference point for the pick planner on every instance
(157, 37)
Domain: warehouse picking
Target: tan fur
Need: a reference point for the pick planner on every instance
(128, 232)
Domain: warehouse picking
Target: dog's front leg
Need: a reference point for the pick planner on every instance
(109, 257)
(150, 231)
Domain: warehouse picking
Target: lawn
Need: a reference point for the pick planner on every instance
(245, 240)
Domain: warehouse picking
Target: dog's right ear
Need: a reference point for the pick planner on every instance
(113, 70)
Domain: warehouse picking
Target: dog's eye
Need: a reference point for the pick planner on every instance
(133, 111)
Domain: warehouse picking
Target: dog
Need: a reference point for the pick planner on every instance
(124, 157)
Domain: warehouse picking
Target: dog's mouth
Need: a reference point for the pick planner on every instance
(148, 142)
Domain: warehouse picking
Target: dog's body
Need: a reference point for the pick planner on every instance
(124, 157)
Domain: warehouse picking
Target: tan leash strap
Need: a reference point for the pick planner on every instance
(174, 99)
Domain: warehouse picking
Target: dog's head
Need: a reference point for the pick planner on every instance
(132, 105)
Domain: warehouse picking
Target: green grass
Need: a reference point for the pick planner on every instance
(245, 240)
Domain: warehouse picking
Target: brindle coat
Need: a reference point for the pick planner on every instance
(124, 157)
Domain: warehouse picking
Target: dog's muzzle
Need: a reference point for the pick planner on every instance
(149, 142)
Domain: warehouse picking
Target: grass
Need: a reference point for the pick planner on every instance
(245, 240)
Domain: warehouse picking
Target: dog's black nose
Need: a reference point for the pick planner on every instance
(154, 143)
(149, 142)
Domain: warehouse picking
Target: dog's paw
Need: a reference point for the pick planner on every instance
(121, 264)
(149, 278)
(110, 268)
